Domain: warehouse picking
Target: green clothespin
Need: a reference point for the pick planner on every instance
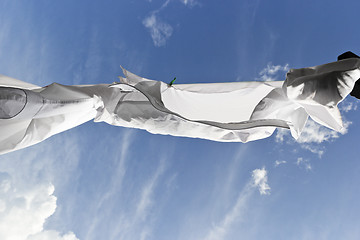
(171, 83)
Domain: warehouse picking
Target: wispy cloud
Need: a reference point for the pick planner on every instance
(160, 31)
(316, 149)
(136, 222)
(146, 195)
(116, 184)
(220, 230)
(226, 186)
(348, 105)
(121, 156)
(305, 163)
(190, 3)
(90, 69)
(126, 204)
(279, 162)
(260, 179)
(270, 72)
(281, 135)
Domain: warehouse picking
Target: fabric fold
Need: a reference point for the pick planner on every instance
(320, 89)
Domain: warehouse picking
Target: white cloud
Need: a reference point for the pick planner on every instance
(160, 31)
(301, 162)
(270, 72)
(24, 209)
(260, 178)
(278, 162)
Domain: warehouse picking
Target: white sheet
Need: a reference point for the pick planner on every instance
(229, 112)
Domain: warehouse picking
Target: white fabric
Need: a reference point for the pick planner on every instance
(229, 112)
(6, 81)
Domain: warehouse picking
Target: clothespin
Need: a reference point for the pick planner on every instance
(171, 83)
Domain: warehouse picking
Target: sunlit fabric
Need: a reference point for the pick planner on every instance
(227, 112)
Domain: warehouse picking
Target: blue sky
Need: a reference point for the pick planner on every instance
(104, 182)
